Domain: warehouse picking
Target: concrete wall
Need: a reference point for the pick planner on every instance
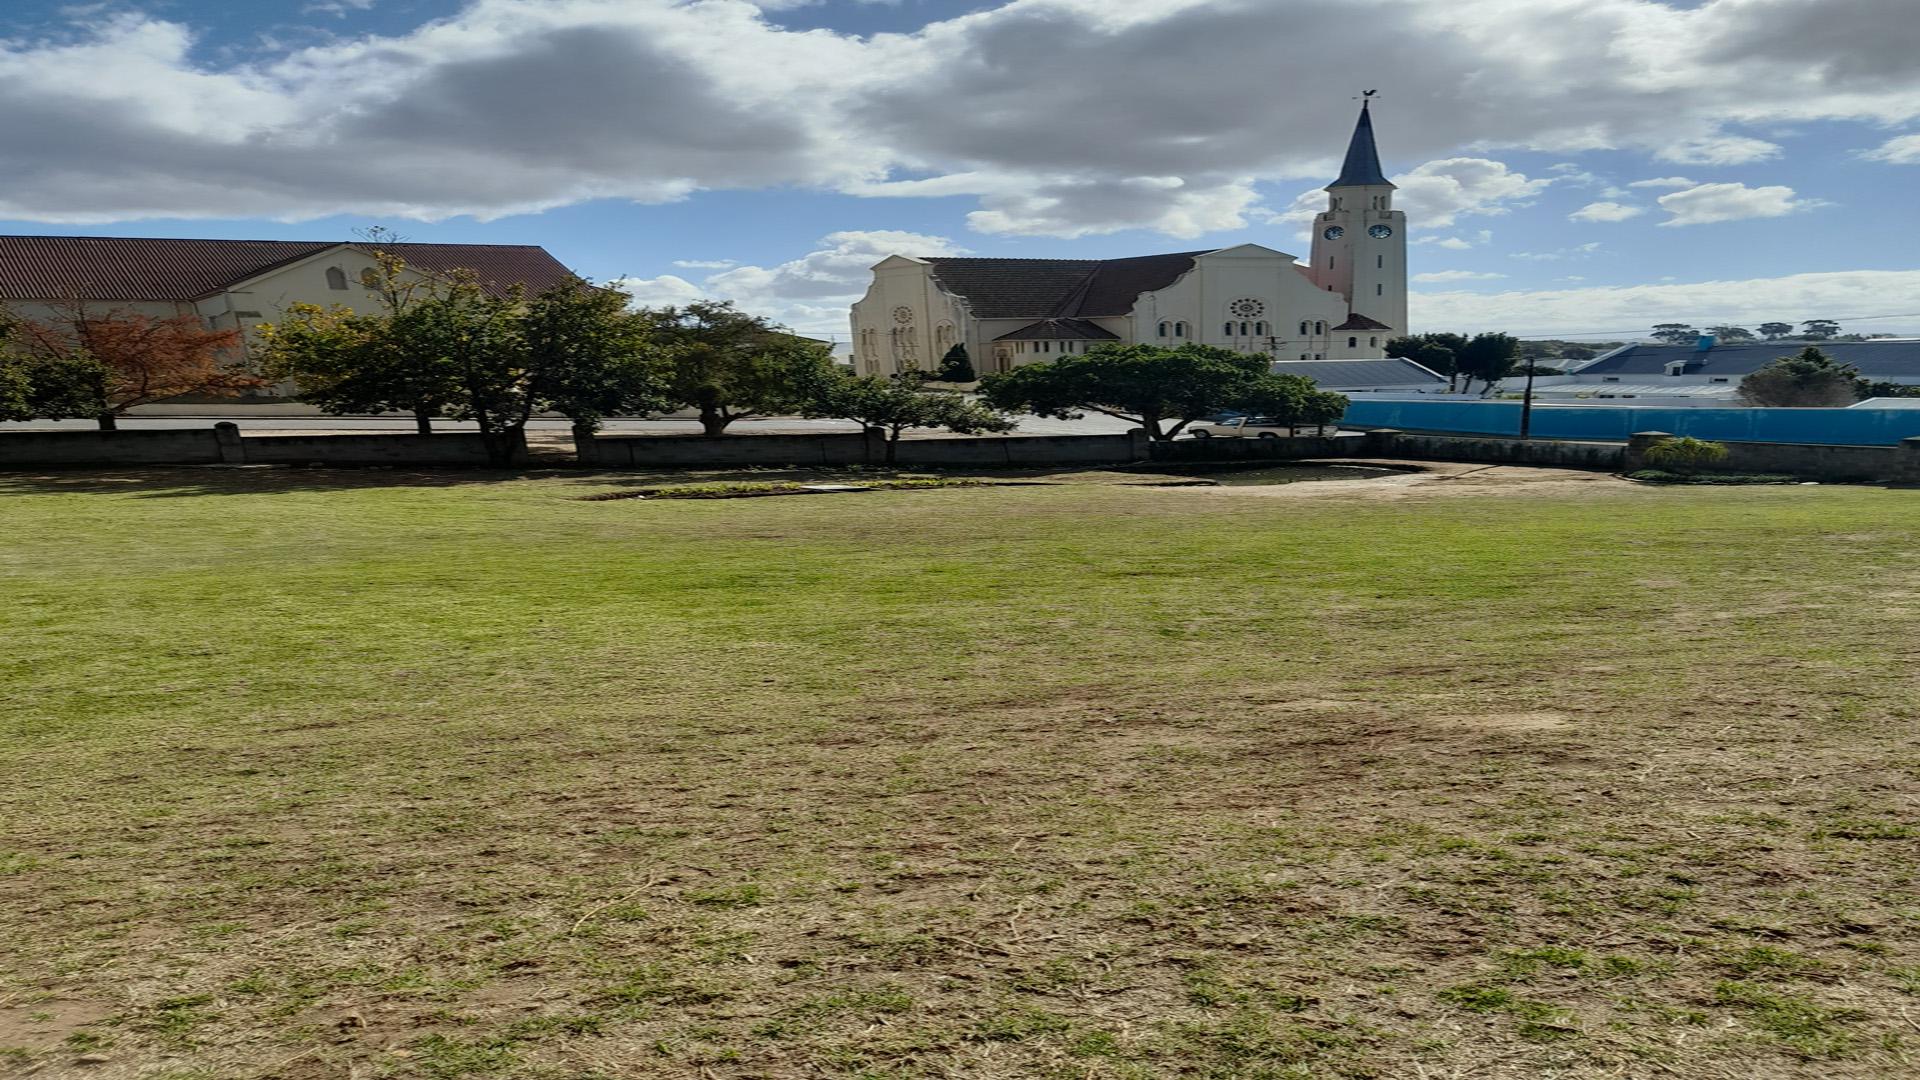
(642, 451)
(223, 444)
(1546, 452)
(26, 449)
(1350, 445)
(1887, 464)
(448, 448)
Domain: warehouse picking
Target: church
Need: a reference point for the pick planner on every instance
(1344, 305)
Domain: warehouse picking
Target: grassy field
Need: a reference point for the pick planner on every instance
(309, 775)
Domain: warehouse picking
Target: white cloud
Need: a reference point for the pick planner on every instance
(811, 293)
(1457, 243)
(663, 291)
(1720, 150)
(1578, 251)
(1061, 117)
(703, 264)
(1904, 150)
(1710, 203)
(1664, 182)
(1438, 277)
(1606, 211)
(1622, 310)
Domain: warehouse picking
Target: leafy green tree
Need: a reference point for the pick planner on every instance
(346, 363)
(1889, 389)
(1809, 380)
(1489, 358)
(1774, 331)
(1163, 390)
(589, 356)
(729, 365)
(1437, 352)
(1674, 333)
(1731, 333)
(896, 405)
(1820, 329)
(479, 341)
(1292, 399)
(956, 366)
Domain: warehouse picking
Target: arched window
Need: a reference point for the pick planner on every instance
(1243, 329)
(1303, 332)
(1320, 327)
(1353, 343)
(1259, 329)
(1179, 329)
(336, 278)
(1373, 342)
(1380, 290)
(1226, 329)
(1163, 329)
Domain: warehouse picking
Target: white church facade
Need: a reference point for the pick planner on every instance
(1343, 305)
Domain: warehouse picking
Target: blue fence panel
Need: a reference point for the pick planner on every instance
(1844, 427)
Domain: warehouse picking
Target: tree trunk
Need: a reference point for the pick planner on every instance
(108, 421)
(504, 446)
(893, 441)
(712, 424)
(422, 420)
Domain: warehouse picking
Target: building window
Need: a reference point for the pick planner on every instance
(336, 278)
(1163, 329)
(1353, 343)
(1373, 342)
(1303, 333)
(1319, 356)
(1303, 356)
(1320, 327)
(1720, 380)
(1379, 262)
(1329, 262)
(1379, 290)
(1226, 329)
(1179, 329)
(1260, 329)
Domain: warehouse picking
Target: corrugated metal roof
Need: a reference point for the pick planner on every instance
(122, 268)
(1058, 288)
(1875, 359)
(1360, 374)
(1061, 330)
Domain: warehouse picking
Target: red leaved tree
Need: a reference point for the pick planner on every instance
(142, 358)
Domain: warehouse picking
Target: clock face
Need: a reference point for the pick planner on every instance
(903, 314)
(1380, 232)
(1334, 232)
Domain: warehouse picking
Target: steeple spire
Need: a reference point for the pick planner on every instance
(1362, 167)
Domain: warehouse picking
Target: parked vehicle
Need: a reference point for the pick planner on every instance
(1255, 427)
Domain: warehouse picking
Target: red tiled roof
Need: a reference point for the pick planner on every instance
(124, 268)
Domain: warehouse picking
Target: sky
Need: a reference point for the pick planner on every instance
(1579, 168)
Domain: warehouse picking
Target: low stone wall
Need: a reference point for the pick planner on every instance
(461, 448)
(675, 451)
(28, 449)
(1815, 461)
(1553, 453)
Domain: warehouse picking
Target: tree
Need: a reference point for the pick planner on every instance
(1438, 353)
(1489, 358)
(1292, 399)
(729, 365)
(1686, 455)
(1820, 329)
(1731, 333)
(1810, 379)
(1774, 331)
(895, 405)
(1674, 333)
(956, 366)
(347, 363)
(134, 358)
(1144, 384)
(591, 356)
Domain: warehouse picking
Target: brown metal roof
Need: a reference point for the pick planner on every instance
(1058, 288)
(126, 268)
(1061, 330)
(1357, 321)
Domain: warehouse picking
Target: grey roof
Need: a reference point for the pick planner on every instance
(1360, 374)
(1357, 321)
(1362, 167)
(1061, 330)
(1875, 359)
(1058, 288)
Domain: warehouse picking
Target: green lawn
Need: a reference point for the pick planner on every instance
(314, 775)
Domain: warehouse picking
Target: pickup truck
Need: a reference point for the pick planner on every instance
(1249, 427)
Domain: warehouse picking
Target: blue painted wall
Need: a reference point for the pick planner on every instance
(1849, 427)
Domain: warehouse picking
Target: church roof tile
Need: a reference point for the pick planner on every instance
(1058, 288)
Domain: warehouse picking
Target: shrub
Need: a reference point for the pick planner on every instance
(1686, 455)
(956, 367)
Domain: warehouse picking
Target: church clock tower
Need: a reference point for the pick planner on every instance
(1360, 242)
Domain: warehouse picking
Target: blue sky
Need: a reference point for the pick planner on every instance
(769, 152)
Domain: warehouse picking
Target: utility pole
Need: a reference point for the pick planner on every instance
(1526, 402)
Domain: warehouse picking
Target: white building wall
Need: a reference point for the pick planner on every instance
(906, 320)
(1299, 317)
